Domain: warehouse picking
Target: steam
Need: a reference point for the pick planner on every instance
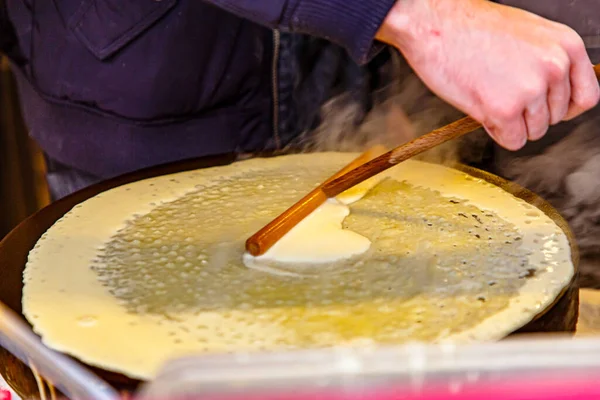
(566, 174)
(404, 109)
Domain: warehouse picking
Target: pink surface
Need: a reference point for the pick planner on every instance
(552, 388)
(5, 392)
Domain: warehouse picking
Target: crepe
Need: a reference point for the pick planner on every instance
(318, 238)
(153, 270)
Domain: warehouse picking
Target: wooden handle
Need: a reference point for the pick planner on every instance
(399, 154)
(265, 238)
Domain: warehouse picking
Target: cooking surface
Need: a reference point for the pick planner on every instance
(23, 239)
(339, 304)
(589, 324)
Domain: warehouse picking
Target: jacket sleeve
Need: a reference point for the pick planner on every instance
(351, 24)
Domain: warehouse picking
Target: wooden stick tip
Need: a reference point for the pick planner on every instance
(253, 248)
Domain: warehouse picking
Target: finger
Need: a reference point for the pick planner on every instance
(537, 118)
(512, 135)
(559, 99)
(585, 91)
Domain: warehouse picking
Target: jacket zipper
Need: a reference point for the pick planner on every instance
(275, 85)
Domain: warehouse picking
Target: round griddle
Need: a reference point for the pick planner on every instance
(14, 249)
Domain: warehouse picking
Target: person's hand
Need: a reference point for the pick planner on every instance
(511, 70)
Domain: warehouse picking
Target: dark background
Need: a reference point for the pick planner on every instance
(23, 188)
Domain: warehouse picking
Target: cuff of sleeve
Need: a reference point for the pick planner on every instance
(352, 24)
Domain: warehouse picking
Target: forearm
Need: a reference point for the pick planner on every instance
(352, 24)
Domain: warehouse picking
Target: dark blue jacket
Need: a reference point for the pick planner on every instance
(110, 86)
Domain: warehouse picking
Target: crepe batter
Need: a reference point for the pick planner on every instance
(320, 237)
(153, 270)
